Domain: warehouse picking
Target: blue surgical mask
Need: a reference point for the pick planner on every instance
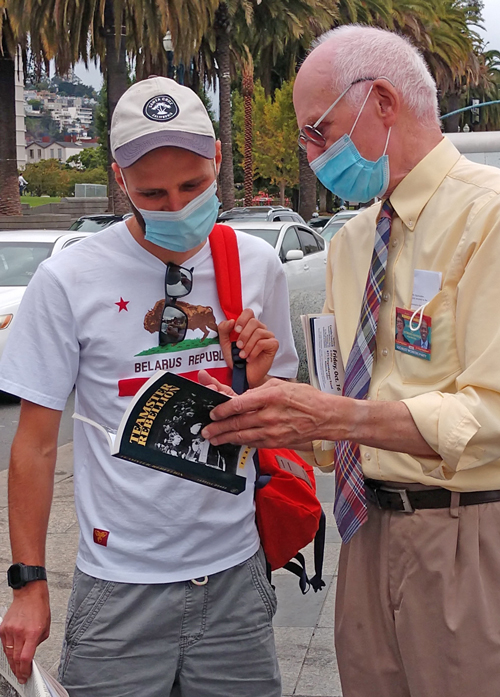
(347, 174)
(180, 231)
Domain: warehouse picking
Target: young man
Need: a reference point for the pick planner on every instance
(170, 593)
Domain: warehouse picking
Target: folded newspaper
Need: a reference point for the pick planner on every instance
(39, 684)
(326, 370)
(161, 429)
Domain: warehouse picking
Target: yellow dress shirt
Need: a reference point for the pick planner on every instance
(447, 220)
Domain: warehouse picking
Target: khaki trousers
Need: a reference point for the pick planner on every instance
(418, 604)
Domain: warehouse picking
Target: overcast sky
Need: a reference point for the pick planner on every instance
(491, 34)
(491, 16)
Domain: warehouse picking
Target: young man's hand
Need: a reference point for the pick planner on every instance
(257, 345)
(26, 624)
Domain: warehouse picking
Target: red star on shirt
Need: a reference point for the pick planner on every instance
(123, 304)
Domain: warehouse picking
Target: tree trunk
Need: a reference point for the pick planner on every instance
(222, 54)
(307, 190)
(247, 161)
(451, 124)
(10, 202)
(330, 200)
(247, 89)
(282, 192)
(322, 198)
(116, 84)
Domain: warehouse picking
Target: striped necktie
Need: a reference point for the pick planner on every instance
(350, 502)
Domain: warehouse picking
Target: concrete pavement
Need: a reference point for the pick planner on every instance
(303, 624)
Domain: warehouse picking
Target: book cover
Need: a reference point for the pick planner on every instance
(161, 429)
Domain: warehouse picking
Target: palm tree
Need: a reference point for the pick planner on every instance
(222, 56)
(10, 203)
(487, 89)
(267, 28)
(108, 30)
(247, 88)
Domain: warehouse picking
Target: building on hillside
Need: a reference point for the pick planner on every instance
(50, 149)
(72, 114)
(20, 124)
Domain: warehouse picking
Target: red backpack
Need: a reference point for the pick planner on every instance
(288, 513)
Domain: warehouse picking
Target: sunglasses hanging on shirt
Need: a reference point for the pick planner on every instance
(174, 321)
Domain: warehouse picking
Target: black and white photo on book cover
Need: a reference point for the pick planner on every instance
(162, 428)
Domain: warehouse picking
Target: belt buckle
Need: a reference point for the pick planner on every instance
(403, 493)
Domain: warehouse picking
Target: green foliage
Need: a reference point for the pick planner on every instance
(35, 201)
(50, 177)
(90, 158)
(101, 120)
(68, 89)
(43, 125)
(208, 106)
(36, 104)
(275, 134)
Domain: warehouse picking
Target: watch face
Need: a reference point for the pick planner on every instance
(19, 575)
(15, 577)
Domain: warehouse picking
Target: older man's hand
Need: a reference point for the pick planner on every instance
(277, 414)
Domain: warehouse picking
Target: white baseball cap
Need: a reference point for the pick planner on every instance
(157, 112)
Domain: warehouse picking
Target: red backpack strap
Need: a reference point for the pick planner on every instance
(226, 258)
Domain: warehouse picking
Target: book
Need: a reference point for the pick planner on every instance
(161, 429)
(326, 370)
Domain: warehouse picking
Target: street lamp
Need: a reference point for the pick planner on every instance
(169, 49)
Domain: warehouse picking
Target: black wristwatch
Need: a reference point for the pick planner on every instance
(19, 575)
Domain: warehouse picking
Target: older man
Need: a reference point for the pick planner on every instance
(417, 450)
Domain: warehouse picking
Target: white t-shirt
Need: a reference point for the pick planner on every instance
(88, 319)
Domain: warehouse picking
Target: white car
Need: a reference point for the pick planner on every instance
(336, 222)
(301, 250)
(21, 251)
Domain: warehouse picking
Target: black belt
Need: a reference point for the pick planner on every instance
(392, 499)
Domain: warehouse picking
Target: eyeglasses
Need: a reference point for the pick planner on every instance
(174, 321)
(310, 134)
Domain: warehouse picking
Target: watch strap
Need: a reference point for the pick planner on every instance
(35, 573)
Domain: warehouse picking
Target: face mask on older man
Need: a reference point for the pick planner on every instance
(347, 174)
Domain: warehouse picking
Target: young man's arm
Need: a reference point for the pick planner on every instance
(31, 482)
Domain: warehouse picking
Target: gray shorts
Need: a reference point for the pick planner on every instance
(174, 639)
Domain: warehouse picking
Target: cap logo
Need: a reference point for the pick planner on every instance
(161, 108)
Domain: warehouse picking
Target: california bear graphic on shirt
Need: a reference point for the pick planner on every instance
(199, 317)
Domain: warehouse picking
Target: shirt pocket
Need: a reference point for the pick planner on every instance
(444, 364)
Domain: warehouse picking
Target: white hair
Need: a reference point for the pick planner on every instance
(361, 51)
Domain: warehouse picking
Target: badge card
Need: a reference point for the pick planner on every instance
(415, 342)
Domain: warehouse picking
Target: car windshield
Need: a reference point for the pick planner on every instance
(270, 236)
(20, 260)
(318, 223)
(93, 224)
(332, 228)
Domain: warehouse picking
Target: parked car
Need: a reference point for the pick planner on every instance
(21, 251)
(267, 213)
(318, 222)
(93, 223)
(302, 251)
(336, 222)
